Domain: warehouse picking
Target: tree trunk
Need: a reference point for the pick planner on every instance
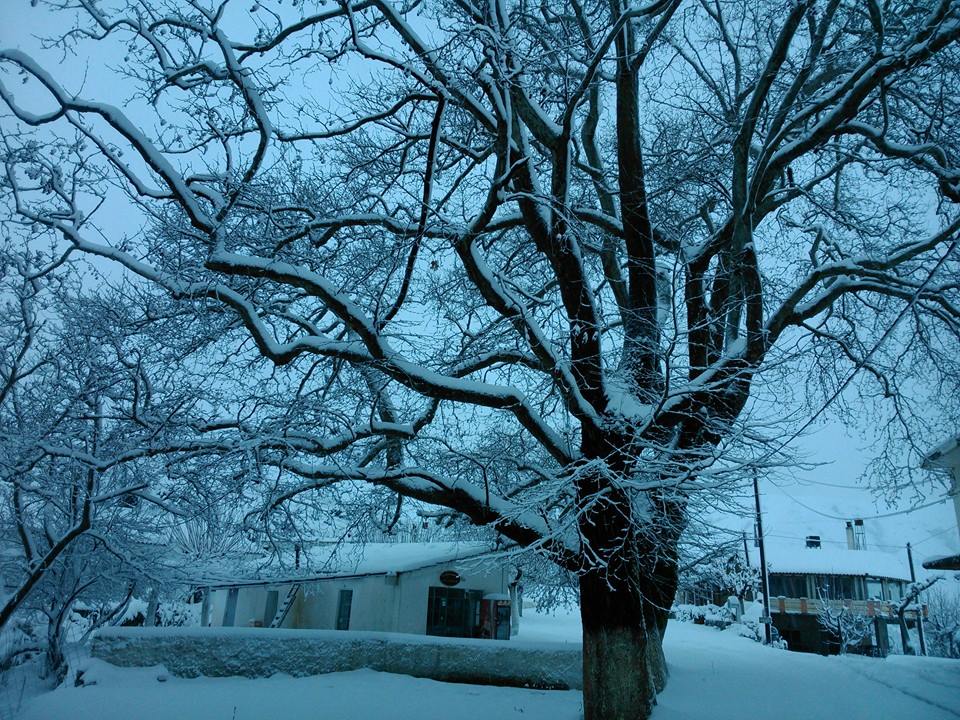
(626, 595)
(623, 662)
(904, 634)
(54, 659)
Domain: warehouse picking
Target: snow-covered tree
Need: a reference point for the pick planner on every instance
(840, 621)
(87, 511)
(942, 624)
(549, 267)
(911, 601)
(724, 573)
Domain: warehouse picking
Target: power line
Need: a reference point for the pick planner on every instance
(808, 481)
(783, 536)
(936, 534)
(869, 517)
(866, 358)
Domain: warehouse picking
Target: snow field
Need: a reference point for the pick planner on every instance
(713, 674)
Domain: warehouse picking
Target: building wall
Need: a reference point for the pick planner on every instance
(384, 603)
(251, 602)
(414, 588)
(318, 603)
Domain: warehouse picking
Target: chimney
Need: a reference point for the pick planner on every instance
(859, 534)
(851, 540)
(813, 541)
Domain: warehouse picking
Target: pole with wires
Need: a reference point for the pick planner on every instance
(913, 580)
(767, 620)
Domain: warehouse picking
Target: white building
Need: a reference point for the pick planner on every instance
(449, 589)
(947, 457)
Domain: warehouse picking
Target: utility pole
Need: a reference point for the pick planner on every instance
(913, 579)
(767, 620)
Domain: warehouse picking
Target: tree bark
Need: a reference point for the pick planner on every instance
(623, 662)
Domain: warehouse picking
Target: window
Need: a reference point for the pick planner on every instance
(453, 612)
(874, 589)
(823, 587)
(838, 587)
(791, 586)
(343, 609)
(844, 587)
(894, 590)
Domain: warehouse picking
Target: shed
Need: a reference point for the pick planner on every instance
(448, 589)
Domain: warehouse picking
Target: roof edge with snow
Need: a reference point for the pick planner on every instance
(374, 566)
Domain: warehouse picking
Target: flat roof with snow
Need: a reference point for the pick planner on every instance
(342, 560)
(794, 558)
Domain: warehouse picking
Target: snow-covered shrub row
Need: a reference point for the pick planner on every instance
(712, 615)
(747, 626)
(169, 613)
(261, 652)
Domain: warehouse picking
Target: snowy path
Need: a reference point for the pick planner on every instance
(720, 676)
(714, 675)
(727, 678)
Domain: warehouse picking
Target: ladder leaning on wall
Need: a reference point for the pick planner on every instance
(282, 611)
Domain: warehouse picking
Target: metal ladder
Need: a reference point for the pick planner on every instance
(285, 607)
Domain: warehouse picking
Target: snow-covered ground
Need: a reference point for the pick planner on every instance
(714, 674)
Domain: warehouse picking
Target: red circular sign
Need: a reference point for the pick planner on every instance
(450, 578)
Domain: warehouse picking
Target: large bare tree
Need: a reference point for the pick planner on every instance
(528, 262)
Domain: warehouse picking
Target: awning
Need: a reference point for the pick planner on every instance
(947, 562)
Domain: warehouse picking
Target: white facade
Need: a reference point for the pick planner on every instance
(947, 457)
(380, 593)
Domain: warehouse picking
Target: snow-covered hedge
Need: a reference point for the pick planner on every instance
(261, 652)
(712, 615)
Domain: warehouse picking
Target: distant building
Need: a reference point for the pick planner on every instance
(448, 589)
(804, 577)
(947, 457)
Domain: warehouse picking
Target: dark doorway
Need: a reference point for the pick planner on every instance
(343, 609)
(270, 611)
(453, 612)
(230, 611)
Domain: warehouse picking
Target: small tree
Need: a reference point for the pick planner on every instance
(942, 626)
(85, 409)
(910, 601)
(840, 621)
(724, 571)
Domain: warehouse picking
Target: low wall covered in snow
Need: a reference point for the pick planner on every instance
(261, 652)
